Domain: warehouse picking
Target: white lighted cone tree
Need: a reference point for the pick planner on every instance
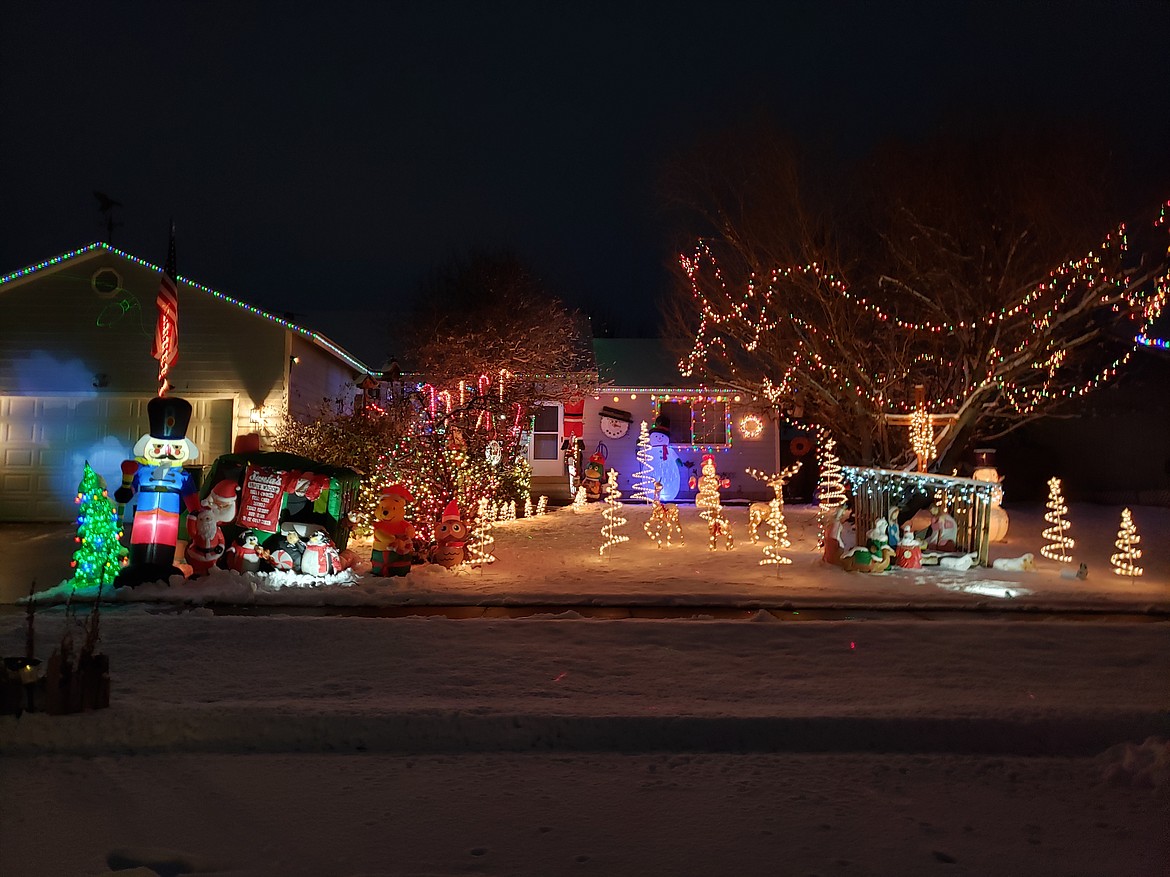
(479, 549)
(528, 505)
(644, 477)
(613, 515)
(580, 499)
(1127, 547)
(1059, 544)
(830, 486)
(541, 505)
(777, 527)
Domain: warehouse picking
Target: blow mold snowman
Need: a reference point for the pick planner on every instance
(664, 461)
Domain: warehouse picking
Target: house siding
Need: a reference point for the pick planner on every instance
(731, 462)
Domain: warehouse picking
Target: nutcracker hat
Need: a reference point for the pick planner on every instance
(451, 512)
(169, 417)
(397, 490)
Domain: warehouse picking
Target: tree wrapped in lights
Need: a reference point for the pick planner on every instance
(644, 489)
(580, 500)
(1008, 297)
(541, 505)
(614, 520)
(777, 528)
(99, 554)
(1127, 547)
(1059, 544)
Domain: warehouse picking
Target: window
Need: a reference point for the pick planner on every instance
(546, 433)
(696, 422)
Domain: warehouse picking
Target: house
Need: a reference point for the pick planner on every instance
(76, 373)
(641, 382)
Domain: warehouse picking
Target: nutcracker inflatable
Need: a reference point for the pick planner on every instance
(161, 488)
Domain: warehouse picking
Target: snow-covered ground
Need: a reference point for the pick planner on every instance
(554, 560)
(274, 742)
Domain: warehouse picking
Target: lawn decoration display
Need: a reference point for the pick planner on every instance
(985, 471)
(393, 550)
(758, 513)
(664, 461)
(1023, 563)
(264, 491)
(1127, 547)
(1059, 544)
(205, 540)
(160, 488)
(664, 522)
(718, 527)
(959, 524)
(479, 549)
(834, 535)
(942, 534)
(864, 560)
(595, 473)
(286, 549)
(908, 553)
(321, 557)
(614, 520)
(777, 528)
(244, 553)
(830, 485)
(98, 558)
(451, 534)
(646, 488)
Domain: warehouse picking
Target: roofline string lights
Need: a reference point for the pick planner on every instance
(80, 251)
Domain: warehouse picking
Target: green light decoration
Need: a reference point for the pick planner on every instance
(100, 553)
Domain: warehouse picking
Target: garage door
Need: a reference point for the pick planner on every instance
(46, 440)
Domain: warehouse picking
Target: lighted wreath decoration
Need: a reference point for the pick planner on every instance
(494, 452)
(751, 426)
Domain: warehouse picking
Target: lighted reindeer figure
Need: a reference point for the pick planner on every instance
(777, 529)
(664, 522)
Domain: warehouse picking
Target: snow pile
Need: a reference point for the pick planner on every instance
(1144, 765)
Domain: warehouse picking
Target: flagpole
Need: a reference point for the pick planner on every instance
(166, 330)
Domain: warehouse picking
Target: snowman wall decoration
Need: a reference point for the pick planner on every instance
(615, 423)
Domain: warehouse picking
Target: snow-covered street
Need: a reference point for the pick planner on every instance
(549, 745)
(806, 721)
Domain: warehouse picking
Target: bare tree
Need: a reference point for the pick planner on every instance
(987, 269)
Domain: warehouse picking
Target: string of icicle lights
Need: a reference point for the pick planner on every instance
(761, 308)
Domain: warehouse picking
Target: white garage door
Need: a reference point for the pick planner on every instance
(46, 440)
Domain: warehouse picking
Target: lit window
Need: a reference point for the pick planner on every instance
(696, 423)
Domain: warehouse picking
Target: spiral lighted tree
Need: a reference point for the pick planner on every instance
(1127, 547)
(830, 486)
(614, 520)
(1059, 544)
(644, 477)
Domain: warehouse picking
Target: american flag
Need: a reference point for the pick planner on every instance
(166, 328)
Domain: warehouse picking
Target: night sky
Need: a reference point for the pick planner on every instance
(322, 157)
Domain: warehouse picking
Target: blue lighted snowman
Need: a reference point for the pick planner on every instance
(664, 461)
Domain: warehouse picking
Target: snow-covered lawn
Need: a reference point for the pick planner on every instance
(554, 560)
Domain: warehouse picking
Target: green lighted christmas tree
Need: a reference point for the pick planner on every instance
(99, 554)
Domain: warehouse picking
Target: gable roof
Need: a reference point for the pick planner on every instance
(83, 252)
(645, 364)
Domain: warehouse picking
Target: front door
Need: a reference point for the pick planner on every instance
(544, 446)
